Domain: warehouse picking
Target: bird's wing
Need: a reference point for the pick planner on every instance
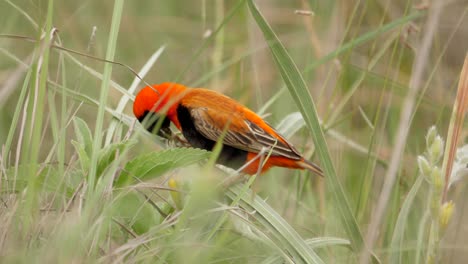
(240, 132)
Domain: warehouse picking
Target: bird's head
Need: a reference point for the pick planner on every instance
(156, 101)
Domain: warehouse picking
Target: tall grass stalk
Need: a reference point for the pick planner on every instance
(419, 65)
(298, 89)
(104, 92)
(35, 116)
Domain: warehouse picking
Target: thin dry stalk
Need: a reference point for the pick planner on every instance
(419, 66)
(11, 83)
(309, 24)
(456, 123)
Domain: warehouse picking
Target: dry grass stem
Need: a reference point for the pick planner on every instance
(419, 65)
(456, 124)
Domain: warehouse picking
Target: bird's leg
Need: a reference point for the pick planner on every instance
(167, 133)
(179, 140)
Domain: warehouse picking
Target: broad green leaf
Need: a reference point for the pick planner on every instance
(83, 134)
(154, 164)
(107, 154)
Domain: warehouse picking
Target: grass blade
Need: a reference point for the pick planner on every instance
(125, 98)
(36, 111)
(111, 47)
(364, 38)
(398, 233)
(283, 233)
(300, 93)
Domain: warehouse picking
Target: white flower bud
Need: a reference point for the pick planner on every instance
(436, 150)
(424, 166)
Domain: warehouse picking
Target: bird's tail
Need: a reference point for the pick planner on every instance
(305, 164)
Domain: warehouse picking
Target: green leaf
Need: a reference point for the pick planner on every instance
(82, 155)
(107, 154)
(154, 164)
(83, 135)
(278, 229)
(300, 93)
(134, 210)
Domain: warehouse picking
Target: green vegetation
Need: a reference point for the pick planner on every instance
(367, 89)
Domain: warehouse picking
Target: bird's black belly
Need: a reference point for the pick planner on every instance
(150, 120)
(229, 156)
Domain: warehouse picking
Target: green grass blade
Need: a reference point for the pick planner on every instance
(327, 241)
(398, 234)
(125, 98)
(364, 38)
(82, 98)
(111, 47)
(83, 134)
(98, 75)
(318, 242)
(36, 111)
(300, 93)
(290, 124)
(16, 116)
(420, 250)
(279, 228)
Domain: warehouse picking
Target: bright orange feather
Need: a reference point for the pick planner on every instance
(273, 161)
(201, 97)
(162, 98)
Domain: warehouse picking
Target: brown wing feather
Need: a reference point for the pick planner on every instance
(242, 134)
(282, 148)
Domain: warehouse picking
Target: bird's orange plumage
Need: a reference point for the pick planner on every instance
(204, 115)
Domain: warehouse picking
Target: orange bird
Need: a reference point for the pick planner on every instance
(203, 116)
